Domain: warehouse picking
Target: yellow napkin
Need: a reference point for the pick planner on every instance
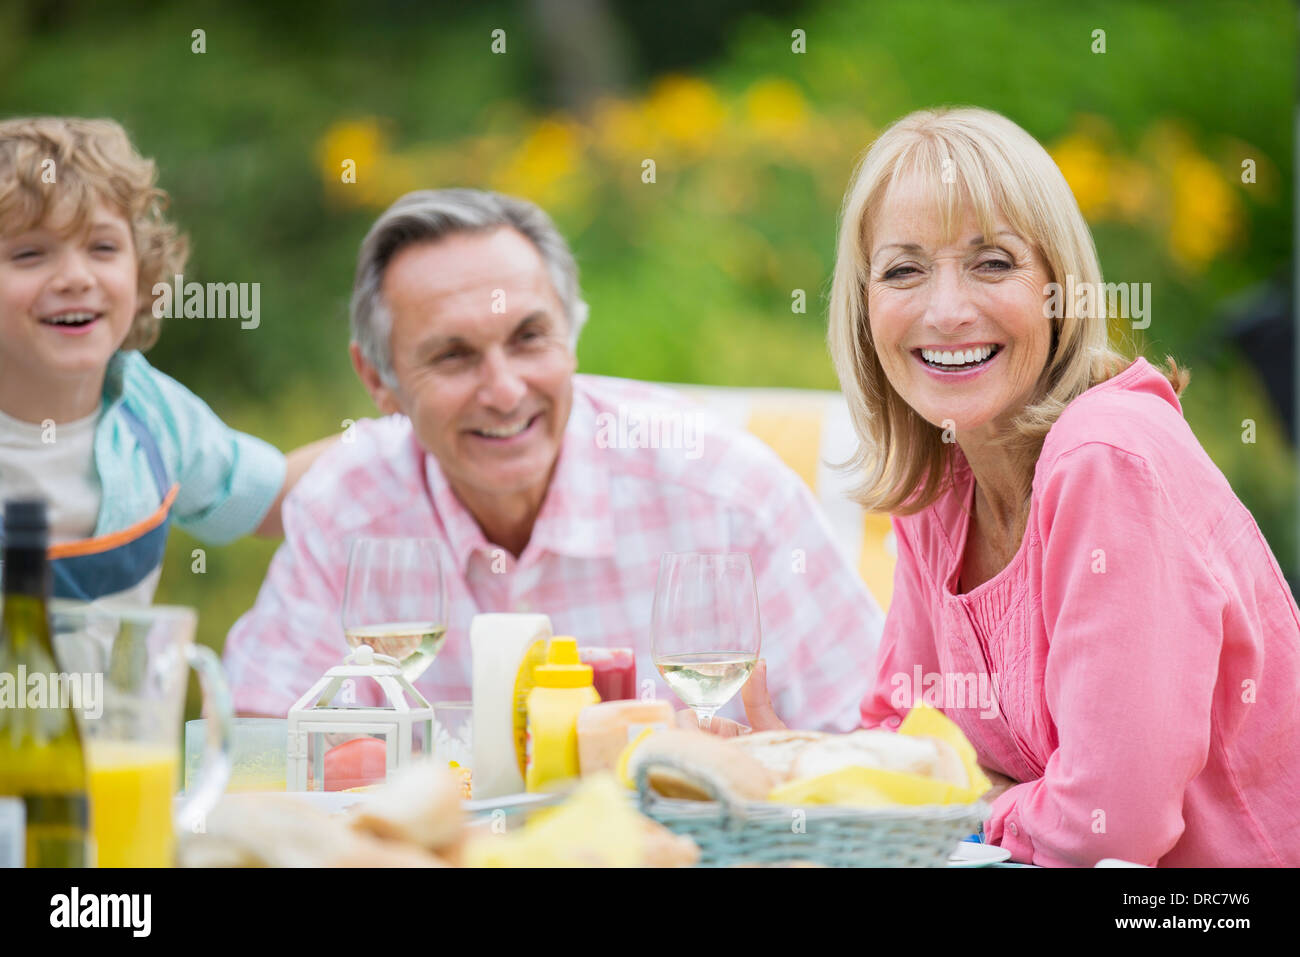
(869, 787)
(595, 827)
(625, 758)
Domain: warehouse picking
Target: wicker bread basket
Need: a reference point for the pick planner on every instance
(731, 832)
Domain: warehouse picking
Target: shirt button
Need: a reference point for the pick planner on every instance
(1015, 831)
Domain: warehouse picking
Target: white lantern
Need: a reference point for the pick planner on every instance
(315, 715)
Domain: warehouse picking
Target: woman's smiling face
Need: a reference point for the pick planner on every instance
(970, 294)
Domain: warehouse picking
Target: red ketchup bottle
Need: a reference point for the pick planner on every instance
(613, 671)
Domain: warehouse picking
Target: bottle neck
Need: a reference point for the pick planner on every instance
(26, 572)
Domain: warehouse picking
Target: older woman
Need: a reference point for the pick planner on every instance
(1064, 542)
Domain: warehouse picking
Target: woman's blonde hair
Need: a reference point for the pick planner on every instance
(981, 161)
(93, 161)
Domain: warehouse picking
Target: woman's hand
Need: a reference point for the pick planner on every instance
(758, 709)
(1000, 783)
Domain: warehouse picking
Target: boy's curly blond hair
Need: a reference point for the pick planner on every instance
(93, 161)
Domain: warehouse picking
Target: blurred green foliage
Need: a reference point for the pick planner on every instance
(689, 278)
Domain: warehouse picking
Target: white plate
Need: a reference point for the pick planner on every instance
(971, 854)
(512, 802)
(331, 802)
(335, 802)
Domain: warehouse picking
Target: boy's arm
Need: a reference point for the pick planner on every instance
(228, 479)
(231, 483)
(297, 463)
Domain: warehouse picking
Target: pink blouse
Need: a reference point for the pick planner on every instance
(1137, 664)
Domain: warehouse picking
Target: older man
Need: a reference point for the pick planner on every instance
(465, 316)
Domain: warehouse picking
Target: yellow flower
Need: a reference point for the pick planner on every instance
(1205, 211)
(1132, 190)
(1202, 212)
(776, 109)
(622, 129)
(1087, 169)
(360, 143)
(549, 154)
(685, 110)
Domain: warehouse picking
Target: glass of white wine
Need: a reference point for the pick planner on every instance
(704, 630)
(394, 600)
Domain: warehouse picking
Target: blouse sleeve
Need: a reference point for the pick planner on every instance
(908, 640)
(1134, 619)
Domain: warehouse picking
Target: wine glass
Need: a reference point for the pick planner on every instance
(704, 630)
(394, 600)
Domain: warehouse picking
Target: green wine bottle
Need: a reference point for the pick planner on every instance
(44, 811)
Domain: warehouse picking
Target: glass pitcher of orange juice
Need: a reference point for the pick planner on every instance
(131, 733)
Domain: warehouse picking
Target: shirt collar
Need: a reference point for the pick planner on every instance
(114, 379)
(575, 518)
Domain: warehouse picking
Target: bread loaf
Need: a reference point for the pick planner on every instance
(776, 750)
(683, 761)
(885, 750)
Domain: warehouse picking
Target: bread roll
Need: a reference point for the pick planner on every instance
(776, 750)
(663, 848)
(679, 756)
(281, 830)
(605, 729)
(420, 805)
(372, 852)
(885, 750)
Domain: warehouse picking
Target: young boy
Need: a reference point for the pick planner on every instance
(117, 448)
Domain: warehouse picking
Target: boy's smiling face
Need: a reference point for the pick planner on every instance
(67, 299)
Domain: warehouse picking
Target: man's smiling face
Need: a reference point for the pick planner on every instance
(482, 360)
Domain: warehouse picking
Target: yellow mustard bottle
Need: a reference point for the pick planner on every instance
(562, 686)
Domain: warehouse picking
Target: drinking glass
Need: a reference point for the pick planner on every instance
(704, 629)
(139, 659)
(394, 600)
(258, 759)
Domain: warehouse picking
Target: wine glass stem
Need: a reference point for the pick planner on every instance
(705, 717)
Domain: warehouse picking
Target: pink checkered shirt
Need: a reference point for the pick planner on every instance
(591, 563)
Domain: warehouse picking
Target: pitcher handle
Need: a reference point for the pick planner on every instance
(214, 768)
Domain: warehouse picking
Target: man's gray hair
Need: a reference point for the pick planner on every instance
(428, 215)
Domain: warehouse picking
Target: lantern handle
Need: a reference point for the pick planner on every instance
(364, 656)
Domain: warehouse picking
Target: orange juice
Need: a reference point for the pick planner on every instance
(131, 787)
